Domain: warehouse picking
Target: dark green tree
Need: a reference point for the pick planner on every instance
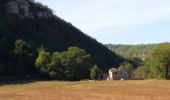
(78, 63)
(139, 72)
(95, 71)
(21, 47)
(57, 69)
(22, 57)
(73, 64)
(128, 67)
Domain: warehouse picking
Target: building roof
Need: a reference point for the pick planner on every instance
(113, 69)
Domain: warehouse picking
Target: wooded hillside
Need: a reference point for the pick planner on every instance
(132, 51)
(26, 26)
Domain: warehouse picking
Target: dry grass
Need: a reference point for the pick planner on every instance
(99, 90)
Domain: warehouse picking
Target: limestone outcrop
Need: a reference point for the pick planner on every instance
(22, 8)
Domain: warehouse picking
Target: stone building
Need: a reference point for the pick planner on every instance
(103, 76)
(118, 74)
(114, 74)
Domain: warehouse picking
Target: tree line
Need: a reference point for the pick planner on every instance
(157, 63)
(73, 64)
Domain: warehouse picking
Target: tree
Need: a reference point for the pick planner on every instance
(158, 63)
(139, 72)
(78, 63)
(21, 54)
(73, 64)
(56, 66)
(95, 71)
(21, 46)
(128, 67)
(43, 61)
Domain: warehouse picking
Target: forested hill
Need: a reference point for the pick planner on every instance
(132, 51)
(26, 25)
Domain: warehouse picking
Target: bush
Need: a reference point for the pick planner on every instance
(139, 72)
(95, 71)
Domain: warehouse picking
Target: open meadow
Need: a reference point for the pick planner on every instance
(98, 90)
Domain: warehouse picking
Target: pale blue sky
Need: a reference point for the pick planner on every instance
(117, 21)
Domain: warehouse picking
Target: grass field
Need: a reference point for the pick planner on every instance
(99, 90)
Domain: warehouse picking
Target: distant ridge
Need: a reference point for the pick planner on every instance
(132, 51)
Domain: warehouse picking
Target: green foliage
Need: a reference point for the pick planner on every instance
(57, 69)
(128, 67)
(42, 48)
(73, 64)
(158, 63)
(43, 61)
(22, 56)
(136, 62)
(78, 63)
(139, 72)
(132, 51)
(95, 71)
(20, 46)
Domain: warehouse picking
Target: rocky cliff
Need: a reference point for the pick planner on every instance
(23, 9)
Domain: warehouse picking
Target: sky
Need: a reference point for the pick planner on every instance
(117, 21)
